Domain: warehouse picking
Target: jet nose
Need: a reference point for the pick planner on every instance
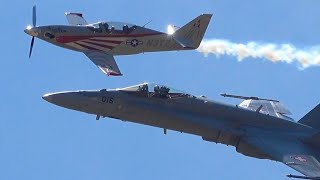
(32, 31)
(70, 100)
(56, 98)
(48, 97)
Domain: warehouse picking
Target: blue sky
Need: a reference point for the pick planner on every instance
(41, 141)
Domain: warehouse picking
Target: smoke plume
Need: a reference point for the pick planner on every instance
(288, 53)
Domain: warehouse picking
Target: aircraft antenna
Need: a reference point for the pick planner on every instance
(147, 23)
(246, 97)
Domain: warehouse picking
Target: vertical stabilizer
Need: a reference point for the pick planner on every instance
(312, 119)
(191, 34)
(76, 19)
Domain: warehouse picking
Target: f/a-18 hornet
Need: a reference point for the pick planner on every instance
(259, 128)
(102, 40)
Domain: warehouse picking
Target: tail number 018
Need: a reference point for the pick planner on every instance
(107, 99)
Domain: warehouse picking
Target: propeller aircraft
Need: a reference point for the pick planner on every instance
(102, 40)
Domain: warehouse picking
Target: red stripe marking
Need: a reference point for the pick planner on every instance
(67, 39)
(109, 41)
(101, 45)
(88, 47)
(131, 35)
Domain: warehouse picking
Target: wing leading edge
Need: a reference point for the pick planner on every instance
(105, 62)
(291, 152)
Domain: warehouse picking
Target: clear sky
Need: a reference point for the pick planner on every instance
(39, 140)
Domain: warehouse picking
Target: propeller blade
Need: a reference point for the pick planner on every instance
(31, 46)
(34, 16)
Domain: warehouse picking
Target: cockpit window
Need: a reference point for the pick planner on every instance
(105, 25)
(95, 27)
(112, 27)
(155, 91)
(121, 26)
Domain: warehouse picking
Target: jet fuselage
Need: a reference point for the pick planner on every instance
(213, 121)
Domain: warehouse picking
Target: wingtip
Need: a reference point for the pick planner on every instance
(223, 94)
(78, 14)
(114, 74)
(207, 14)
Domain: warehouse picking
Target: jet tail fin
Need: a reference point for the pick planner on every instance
(312, 118)
(191, 34)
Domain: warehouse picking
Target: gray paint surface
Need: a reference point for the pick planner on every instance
(257, 128)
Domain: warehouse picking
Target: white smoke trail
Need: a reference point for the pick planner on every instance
(273, 52)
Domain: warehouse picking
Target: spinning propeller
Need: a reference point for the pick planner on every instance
(31, 29)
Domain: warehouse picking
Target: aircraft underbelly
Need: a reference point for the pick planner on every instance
(162, 116)
(223, 138)
(180, 124)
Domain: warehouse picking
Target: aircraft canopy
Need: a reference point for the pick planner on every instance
(115, 27)
(154, 90)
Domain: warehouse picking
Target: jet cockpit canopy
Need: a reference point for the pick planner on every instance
(155, 90)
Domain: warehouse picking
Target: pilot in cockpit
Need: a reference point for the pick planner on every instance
(112, 29)
(125, 29)
(98, 29)
(161, 92)
(106, 27)
(143, 90)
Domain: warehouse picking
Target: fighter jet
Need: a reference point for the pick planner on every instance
(102, 40)
(259, 128)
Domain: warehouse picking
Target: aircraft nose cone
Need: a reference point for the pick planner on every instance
(32, 31)
(48, 97)
(27, 31)
(70, 100)
(56, 98)
(60, 98)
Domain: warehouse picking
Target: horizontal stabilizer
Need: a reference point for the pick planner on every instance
(312, 119)
(303, 177)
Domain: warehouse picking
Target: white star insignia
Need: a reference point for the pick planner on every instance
(134, 42)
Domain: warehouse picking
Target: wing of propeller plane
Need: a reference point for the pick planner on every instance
(105, 62)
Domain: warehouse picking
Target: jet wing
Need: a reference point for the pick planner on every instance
(291, 152)
(105, 62)
(76, 19)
